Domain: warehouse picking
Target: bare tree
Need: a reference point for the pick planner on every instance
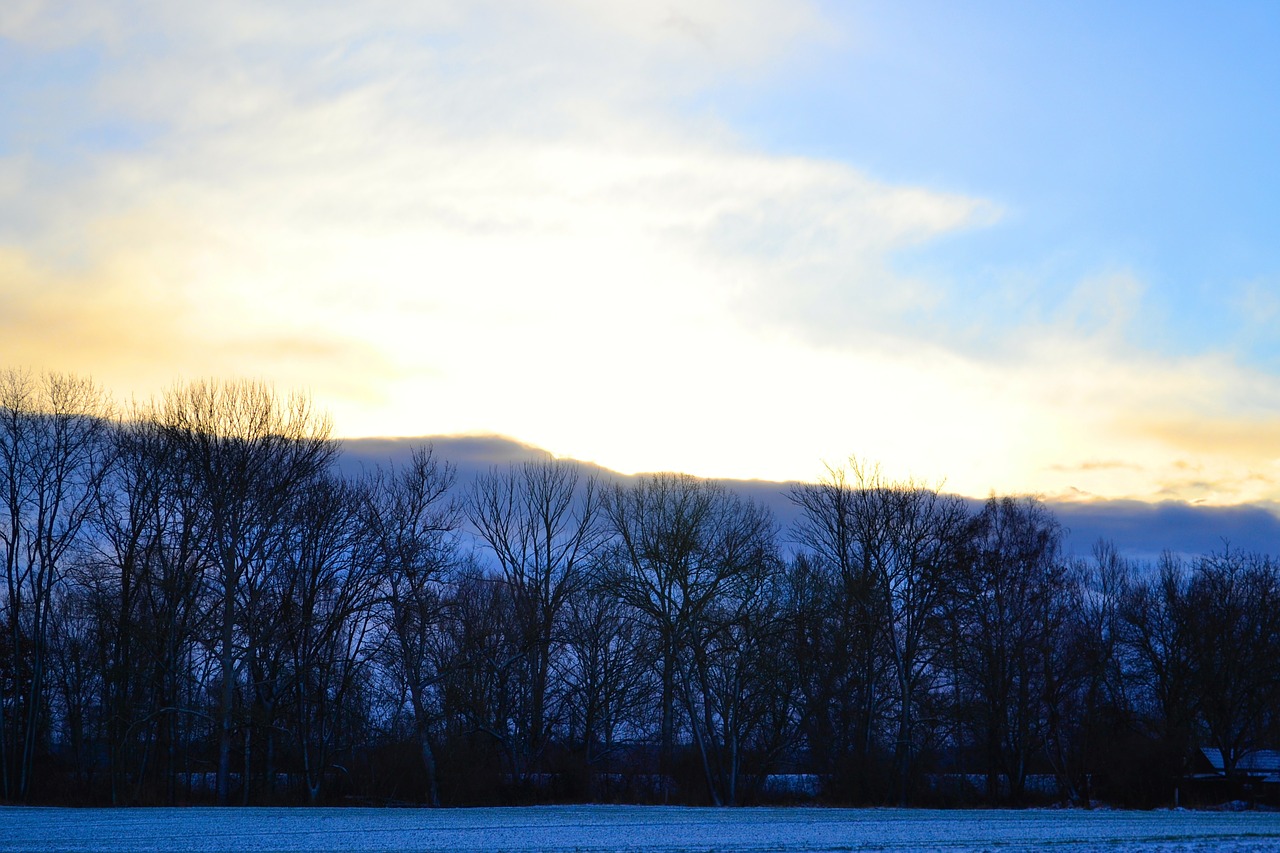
(144, 580)
(1104, 711)
(680, 542)
(75, 681)
(736, 689)
(906, 540)
(541, 521)
(412, 527)
(324, 597)
(837, 648)
(54, 450)
(995, 612)
(247, 453)
(481, 687)
(1158, 649)
(1232, 620)
(604, 674)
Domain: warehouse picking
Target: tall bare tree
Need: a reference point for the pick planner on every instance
(54, 450)
(736, 688)
(996, 606)
(248, 452)
(145, 578)
(412, 526)
(324, 600)
(680, 543)
(541, 520)
(1158, 649)
(907, 541)
(837, 646)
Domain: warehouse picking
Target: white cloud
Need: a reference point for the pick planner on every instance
(499, 217)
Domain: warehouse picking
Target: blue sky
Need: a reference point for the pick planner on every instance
(1137, 137)
(1012, 247)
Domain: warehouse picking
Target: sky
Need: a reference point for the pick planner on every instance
(1002, 247)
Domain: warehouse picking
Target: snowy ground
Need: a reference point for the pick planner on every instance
(606, 828)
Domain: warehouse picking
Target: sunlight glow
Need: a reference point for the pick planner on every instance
(442, 225)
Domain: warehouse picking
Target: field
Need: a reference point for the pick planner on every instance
(626, 828)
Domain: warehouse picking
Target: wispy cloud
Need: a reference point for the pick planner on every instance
(431, 182)
(494, 217)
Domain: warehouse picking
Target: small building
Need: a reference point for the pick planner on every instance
(1258, 765)
(1256, 776)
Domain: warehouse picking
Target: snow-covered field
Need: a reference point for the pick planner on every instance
(603, 828)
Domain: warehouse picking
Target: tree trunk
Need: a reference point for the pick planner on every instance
(228, 690)
(667, 748)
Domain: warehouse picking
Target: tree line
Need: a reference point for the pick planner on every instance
(198, 607)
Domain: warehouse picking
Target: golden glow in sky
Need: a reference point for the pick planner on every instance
(541, 220)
